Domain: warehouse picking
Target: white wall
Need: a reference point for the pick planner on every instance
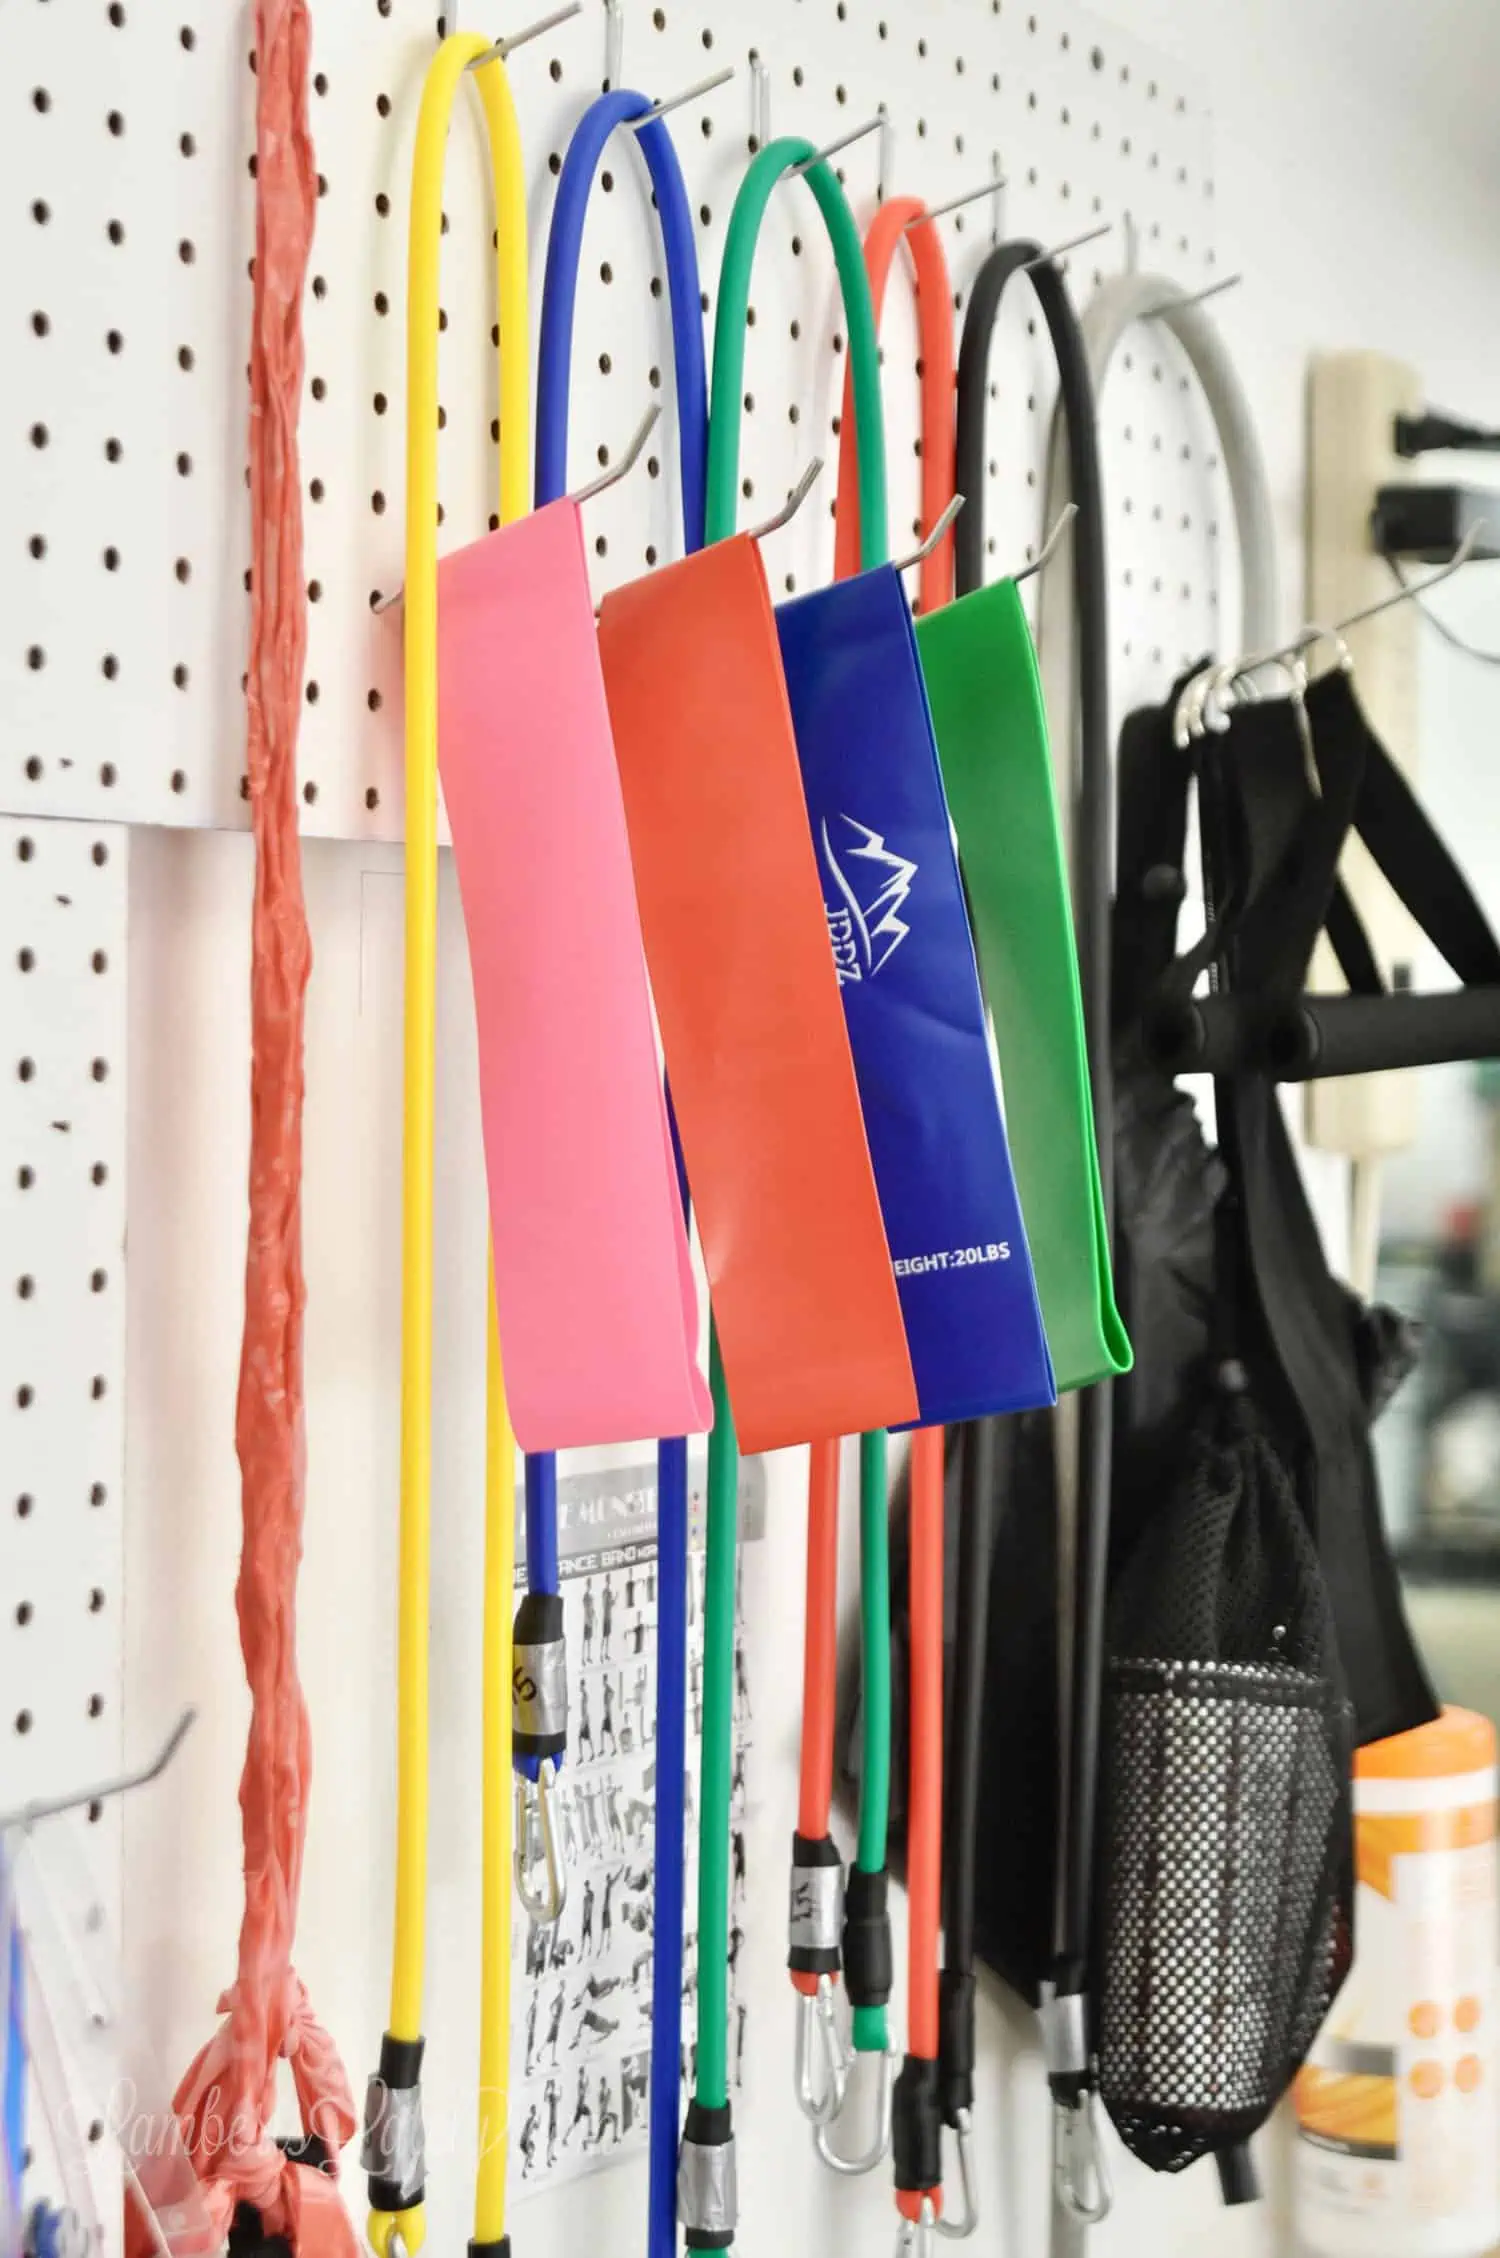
(1354, 226)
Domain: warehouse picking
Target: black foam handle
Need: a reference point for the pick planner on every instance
(956, 2044)
(1318, 1036)
(917, 2127)
(1202, 1034)
(869, 1955)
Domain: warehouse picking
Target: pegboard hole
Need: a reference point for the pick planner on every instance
(41, 324)
(25, 1505)
(25, 1286)
(372, 797)
(26, 1070)
(26, 960)
(179, 784)
(38, 546)
(107, 773)
(96, 1709)
(310, 793)
(40, 435)
(36, 658)
(96, 1601)
(109, 667)
(23, 1721)
(24, 1612)
(116, 123)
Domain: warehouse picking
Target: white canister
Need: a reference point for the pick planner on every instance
(1398, 2110)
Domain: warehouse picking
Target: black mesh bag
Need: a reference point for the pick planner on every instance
(1225, 1887)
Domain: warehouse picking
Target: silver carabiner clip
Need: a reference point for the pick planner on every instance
(536, 1844)
(820, 2103)
(915, 2237)
(876, 2153)
(957, 2227)
(1080, 2173)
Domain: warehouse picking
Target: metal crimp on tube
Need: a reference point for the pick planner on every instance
(540, 1679)
(815, 1917)
(708, 2200)
(394, 2147)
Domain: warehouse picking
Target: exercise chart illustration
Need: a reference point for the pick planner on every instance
(581, 2065)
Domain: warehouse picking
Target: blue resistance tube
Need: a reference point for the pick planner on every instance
(564, 247)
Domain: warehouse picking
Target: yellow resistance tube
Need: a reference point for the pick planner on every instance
(438, 95)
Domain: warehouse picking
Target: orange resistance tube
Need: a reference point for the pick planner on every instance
(819, 1654)
(890, 227)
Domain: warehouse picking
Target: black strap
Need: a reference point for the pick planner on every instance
(1255, 800)
(1088, 769)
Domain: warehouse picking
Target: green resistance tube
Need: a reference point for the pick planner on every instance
(712, 2082)
(991, 727)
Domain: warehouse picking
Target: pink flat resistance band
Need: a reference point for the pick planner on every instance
(593, 1284)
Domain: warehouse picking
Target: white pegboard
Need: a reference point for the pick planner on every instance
(124, 166)
(62, 1304)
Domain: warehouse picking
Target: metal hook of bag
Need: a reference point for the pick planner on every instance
(535, 1833)
(854, 2167)
(1080, 2173)
(815, 2019)
(958, 2227)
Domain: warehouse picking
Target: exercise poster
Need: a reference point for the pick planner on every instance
(581, 2067)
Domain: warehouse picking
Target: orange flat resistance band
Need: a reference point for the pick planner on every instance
(747, 999)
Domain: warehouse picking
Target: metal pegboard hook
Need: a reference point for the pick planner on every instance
(760, 100)
(876, 124)
(1073, 243)
(990, 187)
(1193, 297)
(688, 94)
(793, 502)
(1064, 519)
(627, 462)
(503, 47)
(939, 528)
(51, 1807)
(614, 42)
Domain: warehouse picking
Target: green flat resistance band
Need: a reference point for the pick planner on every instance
(986, 697)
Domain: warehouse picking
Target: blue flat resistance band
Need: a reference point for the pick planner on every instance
(910, 989)
(564, 247)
